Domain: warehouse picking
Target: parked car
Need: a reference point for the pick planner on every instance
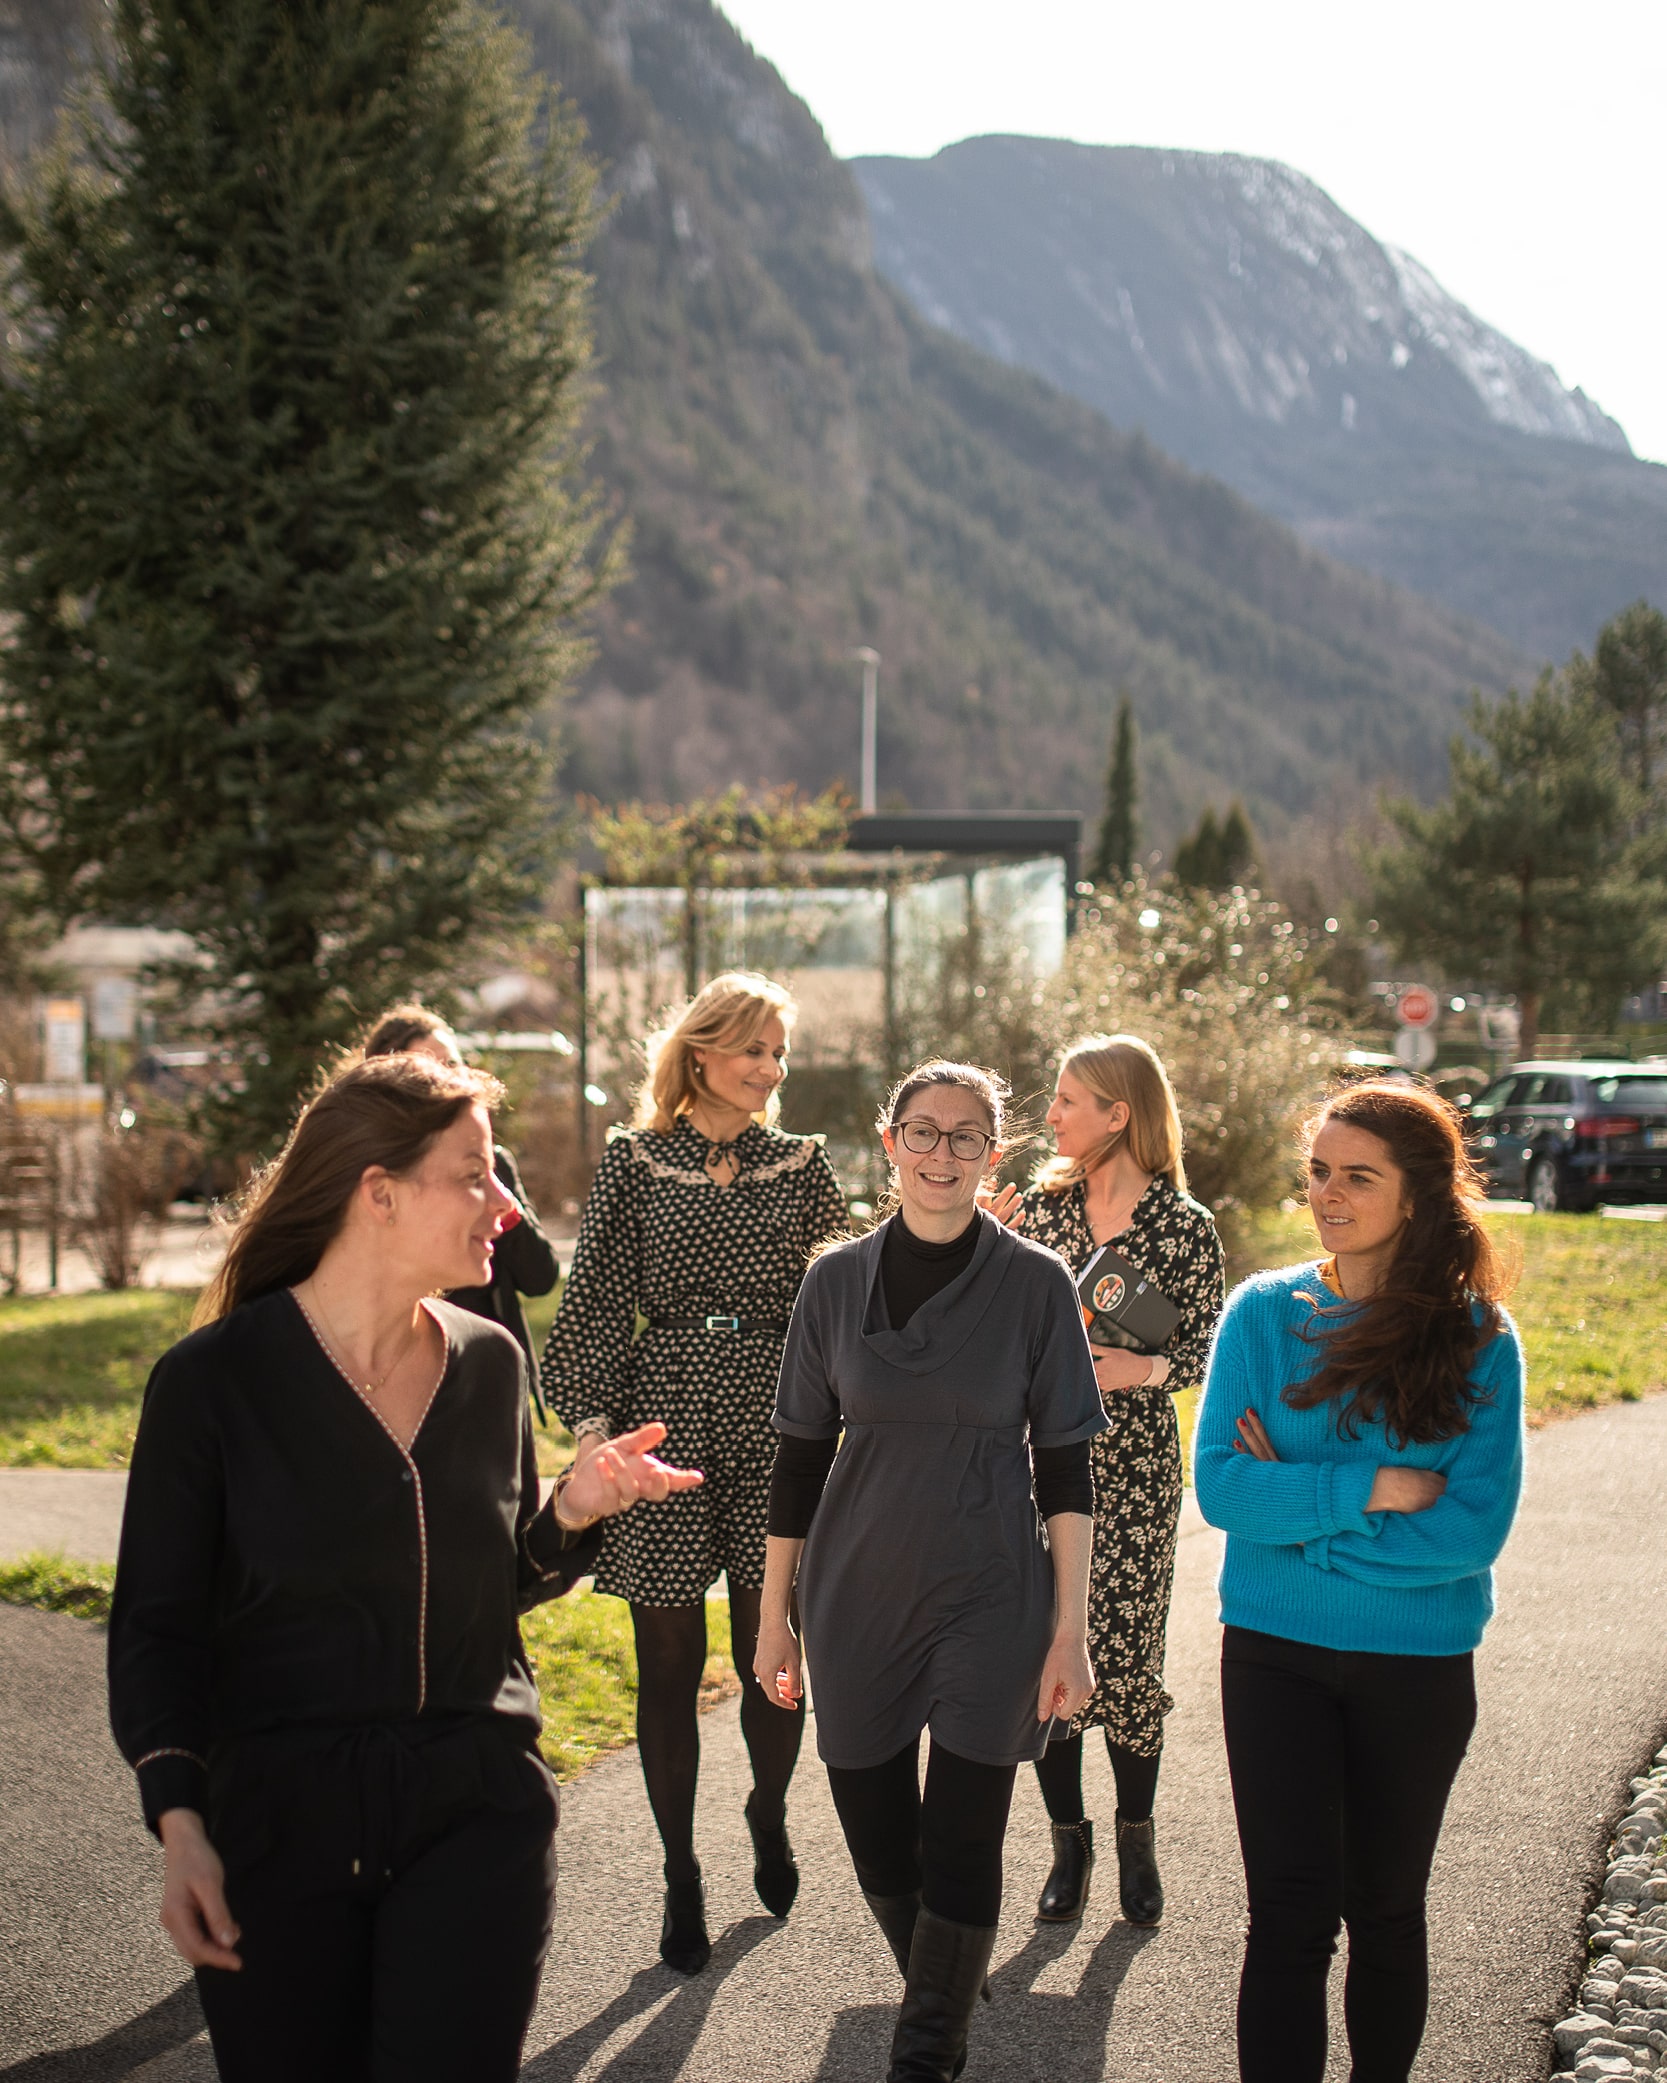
(1568, 1135)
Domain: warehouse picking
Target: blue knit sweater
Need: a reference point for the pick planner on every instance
(1304, 1558)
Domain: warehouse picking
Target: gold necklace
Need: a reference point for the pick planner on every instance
(335, 1349)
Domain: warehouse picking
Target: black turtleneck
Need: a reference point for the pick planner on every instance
(911, 1273)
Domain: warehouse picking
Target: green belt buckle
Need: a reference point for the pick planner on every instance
(723, 1323)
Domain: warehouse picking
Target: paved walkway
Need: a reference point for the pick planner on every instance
(1574, 1688)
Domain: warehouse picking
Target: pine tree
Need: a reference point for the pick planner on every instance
(1519, 878)
(1114, 851)
(1198, 857)
(1628, 675)
(291, 527)
(1237, 858)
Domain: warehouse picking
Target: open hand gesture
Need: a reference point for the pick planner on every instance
(618, 1474)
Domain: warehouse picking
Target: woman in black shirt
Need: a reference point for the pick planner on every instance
(332, 1522)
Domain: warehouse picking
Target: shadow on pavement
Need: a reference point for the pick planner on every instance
(1067, 2032)
(661, 2049)
(158, 2031)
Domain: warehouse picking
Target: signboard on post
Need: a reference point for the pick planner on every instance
(1415, 1047)
(1418, 1007)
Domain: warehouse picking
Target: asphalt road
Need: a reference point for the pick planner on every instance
(1574, 1700)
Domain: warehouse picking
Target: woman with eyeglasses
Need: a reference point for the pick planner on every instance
(701, 1220)
(936, 1369)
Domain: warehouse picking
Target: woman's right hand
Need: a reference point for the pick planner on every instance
(778, 1663)
(1405, 1490)
(194, 1911)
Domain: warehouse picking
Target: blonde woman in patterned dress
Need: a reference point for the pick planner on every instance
(702, 1218)
(1118, 1179)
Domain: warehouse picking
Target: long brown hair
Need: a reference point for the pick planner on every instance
(1403, 1356)
(1123, 1067)
(385, 1111)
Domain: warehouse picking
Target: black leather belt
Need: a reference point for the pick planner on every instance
(714, 1323)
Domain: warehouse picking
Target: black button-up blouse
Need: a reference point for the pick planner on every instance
(286, 1563)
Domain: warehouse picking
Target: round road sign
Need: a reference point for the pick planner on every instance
(1417, 1006)
(1415, 1046)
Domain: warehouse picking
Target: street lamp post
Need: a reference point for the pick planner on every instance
(870, 663)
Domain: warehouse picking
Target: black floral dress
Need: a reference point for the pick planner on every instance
(662, 1239)
(1137, 1463)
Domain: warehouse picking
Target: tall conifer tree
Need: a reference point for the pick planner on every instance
(1119, 839)
(1520, 877)
(291, 527)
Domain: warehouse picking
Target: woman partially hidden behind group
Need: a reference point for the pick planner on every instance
(701, 1219)
(951, 1356)
(332, 1521)
(1361, 1442)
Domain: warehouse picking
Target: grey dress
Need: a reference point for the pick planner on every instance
(926, 1588)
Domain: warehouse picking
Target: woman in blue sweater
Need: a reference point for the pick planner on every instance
(1360, 1440)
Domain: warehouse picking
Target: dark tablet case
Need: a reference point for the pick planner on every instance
(1122, 1306)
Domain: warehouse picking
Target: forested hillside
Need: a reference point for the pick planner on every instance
(807, 466)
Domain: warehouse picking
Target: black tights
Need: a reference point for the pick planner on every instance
(1059, 1772)
(946, 1842)
(671, 1654)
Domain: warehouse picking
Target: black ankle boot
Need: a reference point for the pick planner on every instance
(775, 1874)
(895, 1915)
(1138, 1886)
(947, 1966)
(683, 1940)
(1065, 1896)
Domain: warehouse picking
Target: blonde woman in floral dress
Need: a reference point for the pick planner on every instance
(701, 1220)
(1118, 1179)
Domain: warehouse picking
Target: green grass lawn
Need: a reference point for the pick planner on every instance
(1592, 1301)
(580, 1648)
(72, 1370)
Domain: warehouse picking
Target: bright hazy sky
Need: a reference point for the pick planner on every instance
(1518, 150)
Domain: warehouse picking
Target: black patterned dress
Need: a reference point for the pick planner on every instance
(662, 1239)
(1137, 1463)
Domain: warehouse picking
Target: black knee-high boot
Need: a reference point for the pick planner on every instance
(947, 1966)
(895, 1915)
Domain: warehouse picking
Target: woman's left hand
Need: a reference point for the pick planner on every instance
(1253, 1439)
(1067, 1680)
(620, 1474)
(1005, 1206)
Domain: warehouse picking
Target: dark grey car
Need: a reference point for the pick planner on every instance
(1571, 1134)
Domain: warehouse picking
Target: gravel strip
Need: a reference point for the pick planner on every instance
(1619, 2033)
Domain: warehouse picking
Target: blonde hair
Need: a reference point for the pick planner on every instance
(1123, 1067)
(729, 1013)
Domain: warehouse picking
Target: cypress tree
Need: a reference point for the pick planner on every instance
(291, 525)
(1114, 851)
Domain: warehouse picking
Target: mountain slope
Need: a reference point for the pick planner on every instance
(1231, 309)
(810, 467)
(807, 466)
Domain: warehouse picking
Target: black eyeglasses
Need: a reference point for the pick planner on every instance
(968, 1144)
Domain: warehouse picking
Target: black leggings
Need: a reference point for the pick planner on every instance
(945, 1842)
(1059, 1774)
(1341, 1764)
(671, 1654)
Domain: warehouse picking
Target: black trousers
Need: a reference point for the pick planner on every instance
(1341, 1766)
(946, 1841)
(395, 1886)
